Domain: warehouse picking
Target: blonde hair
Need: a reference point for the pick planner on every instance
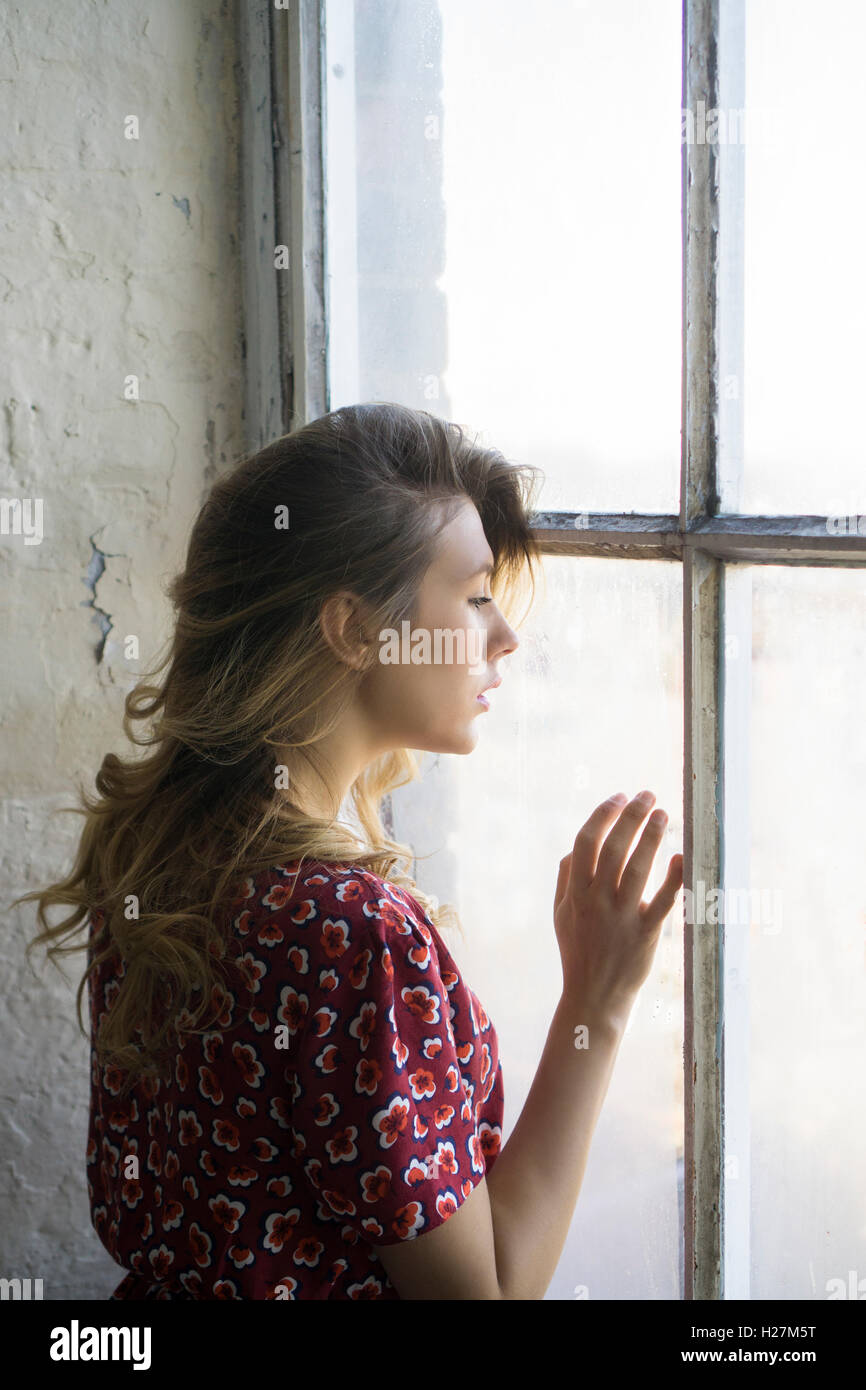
(176, 831)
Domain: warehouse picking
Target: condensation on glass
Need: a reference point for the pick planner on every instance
(792, 211)
(795, 986)
(504, 230)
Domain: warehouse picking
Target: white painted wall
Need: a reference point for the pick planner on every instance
(117, 257)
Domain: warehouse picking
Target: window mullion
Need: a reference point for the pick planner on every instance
(264, 404)
(307, 250)
(702, 667)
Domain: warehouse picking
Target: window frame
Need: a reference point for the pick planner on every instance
(286, 317)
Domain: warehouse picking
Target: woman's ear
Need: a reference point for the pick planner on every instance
(344, 622)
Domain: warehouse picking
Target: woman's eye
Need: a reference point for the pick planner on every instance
(478, 601)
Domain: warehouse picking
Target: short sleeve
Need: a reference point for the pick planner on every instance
(382, 1116)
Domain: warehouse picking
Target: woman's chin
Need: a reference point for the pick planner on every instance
(456, 740)
(466, 739)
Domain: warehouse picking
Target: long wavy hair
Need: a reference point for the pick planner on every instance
(352, 500)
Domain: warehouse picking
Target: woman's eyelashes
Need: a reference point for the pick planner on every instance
(478, 601)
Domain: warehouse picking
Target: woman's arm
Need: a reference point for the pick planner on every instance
(536, 1181)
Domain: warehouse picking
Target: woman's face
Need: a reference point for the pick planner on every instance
(458, 640)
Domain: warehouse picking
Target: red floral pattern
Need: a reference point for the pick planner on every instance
(355, 1102)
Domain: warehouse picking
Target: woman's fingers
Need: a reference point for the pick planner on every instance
(637, 870)
(603, 859)
(561, 881)
(584, 856)
(606, 934)
(612, 857)
(657, 910)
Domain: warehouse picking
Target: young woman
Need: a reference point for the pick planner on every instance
(294, 1092)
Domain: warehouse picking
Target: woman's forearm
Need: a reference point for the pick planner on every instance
(535, 1181)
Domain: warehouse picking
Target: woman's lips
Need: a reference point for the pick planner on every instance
(492, 686)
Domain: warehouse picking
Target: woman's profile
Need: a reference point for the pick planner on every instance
(294, 1092)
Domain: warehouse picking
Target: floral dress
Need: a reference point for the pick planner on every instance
(354, 1100)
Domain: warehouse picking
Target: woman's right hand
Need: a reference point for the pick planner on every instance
(607, 935)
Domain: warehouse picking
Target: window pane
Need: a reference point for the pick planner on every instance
(517, 210)
(590, 704)
(800, 230)
(796, 1006)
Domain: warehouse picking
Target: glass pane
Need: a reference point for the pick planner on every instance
(590, 704)
(516, 263)
(796, 1113)
(792, 119)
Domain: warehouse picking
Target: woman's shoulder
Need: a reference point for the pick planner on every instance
(311, 890)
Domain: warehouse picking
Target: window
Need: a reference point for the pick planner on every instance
(619, 240)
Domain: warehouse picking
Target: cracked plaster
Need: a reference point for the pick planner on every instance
(120, 258)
